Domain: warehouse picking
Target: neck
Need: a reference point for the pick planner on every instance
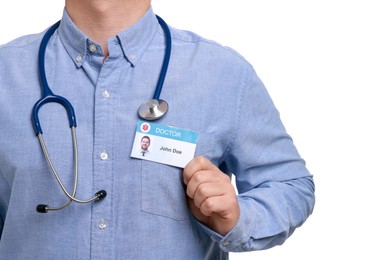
(103, 19)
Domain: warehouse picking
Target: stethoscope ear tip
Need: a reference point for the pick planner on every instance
(153, 109)
(101, 194)
(41, 208)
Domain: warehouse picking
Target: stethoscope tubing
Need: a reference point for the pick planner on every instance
(48, 97)
(47, 94)
(167, 55)
(71, 197)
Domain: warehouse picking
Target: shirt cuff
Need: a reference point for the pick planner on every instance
(237, 238)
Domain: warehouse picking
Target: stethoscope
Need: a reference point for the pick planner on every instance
(151, 110)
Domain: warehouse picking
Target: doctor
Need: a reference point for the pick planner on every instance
(105, 57)
(145, 143)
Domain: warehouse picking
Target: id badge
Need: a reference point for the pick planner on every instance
(164, 144)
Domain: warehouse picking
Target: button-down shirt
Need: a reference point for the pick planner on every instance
(210, 89)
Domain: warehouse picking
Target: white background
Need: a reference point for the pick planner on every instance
(326, 64)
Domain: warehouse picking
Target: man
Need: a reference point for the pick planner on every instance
(145, 143)
(105, 57)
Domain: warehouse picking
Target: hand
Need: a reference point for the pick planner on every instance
(211, 196)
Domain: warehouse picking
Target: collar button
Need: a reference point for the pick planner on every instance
(92, 48)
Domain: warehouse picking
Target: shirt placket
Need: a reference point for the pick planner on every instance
(103, 154)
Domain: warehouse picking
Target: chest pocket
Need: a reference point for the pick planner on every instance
(163, 189)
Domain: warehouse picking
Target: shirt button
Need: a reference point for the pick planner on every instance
(79, 58)
(105, 94)
(133, 56)
(226, 243)
(102, 224)
(103, 156)
(92, 48)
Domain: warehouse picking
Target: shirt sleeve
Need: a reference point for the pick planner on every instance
(276, 191)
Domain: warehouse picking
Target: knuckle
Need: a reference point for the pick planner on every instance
(197, 203)
(203, 190)
(208, 205)
(198, 177)
(201, 159)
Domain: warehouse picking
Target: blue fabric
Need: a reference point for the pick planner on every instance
(210, 89)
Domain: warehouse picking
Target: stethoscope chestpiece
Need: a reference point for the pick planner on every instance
(153, 109)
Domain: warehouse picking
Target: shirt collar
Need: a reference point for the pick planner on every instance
(133, 41)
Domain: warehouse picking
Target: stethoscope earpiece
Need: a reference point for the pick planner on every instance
(153, 109)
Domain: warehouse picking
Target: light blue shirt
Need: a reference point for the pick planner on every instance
(210, 89)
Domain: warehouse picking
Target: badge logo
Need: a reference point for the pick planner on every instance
(145, 127)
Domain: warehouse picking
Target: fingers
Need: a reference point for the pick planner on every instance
(201, 171)
(214, 199)
(211, 196)
(204, 191)
(205, 181)
(215, 204)
(199, 180)
(197, 164)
